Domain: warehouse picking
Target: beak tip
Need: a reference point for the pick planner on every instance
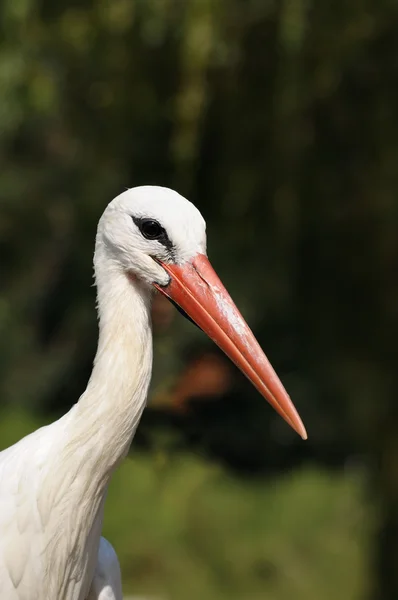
(302, 432)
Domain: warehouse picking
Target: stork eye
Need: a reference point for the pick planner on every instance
(150, 229)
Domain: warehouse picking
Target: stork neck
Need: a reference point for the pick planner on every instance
(108, 412)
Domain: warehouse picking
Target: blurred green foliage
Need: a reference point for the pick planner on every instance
(184, 529)
(278, 119)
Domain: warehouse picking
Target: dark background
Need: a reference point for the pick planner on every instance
(279, 120)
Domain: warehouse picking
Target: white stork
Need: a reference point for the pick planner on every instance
(53, 482)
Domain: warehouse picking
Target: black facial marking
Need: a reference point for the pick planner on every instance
(183, 313)
(152, 230)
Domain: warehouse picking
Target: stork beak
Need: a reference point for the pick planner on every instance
(197, 290)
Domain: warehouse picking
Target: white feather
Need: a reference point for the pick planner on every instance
(53, 482)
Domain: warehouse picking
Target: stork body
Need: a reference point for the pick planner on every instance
(53, 482)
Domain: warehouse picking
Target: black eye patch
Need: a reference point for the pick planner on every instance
(153, 230)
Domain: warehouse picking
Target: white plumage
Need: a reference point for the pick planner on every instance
(53, 482)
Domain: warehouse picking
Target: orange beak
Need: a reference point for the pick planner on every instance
(196, 288)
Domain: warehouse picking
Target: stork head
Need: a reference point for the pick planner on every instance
(148, 226)
(158, 237)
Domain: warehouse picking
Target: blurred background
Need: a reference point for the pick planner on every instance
(279, 120)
